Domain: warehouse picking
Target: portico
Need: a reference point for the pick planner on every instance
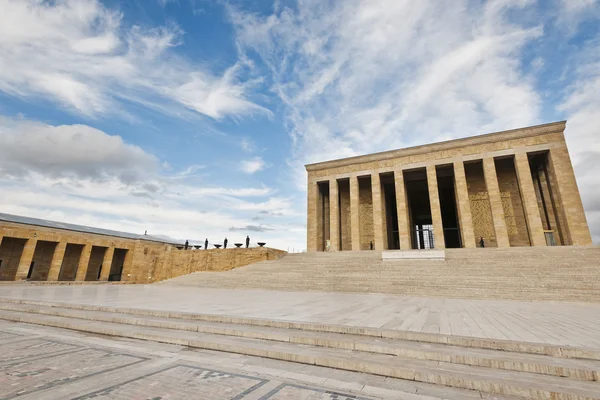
(511, 188)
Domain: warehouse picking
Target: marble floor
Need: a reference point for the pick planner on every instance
(576, 324)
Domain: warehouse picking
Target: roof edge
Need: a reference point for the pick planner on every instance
(527, 131)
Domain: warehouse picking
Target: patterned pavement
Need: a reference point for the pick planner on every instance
(43, 368)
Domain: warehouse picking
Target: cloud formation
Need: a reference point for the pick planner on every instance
(254, 165)
(81, 175)
(79, 53)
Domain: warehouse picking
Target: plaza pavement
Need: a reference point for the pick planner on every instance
(559, 323)
(44, 363)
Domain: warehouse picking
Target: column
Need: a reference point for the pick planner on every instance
(107, 263)
(84, 261)
(312, 222)
(491, 182)
(57, 260)
(354, 213)
(464, 205)
(570, 199)
(378, 214)
(334, 216)
(402, 210)
(532, 211)
(436, 211)
(26, 258)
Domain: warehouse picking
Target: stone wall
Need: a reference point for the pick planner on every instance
(481, 211)
(345, 228)
(181, 262)
(514, 214)
(365, 213)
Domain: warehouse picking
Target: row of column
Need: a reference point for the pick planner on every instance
(527, 190)
(58, 257)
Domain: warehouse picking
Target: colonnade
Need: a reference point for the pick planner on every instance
(62, 258)
(565, 192)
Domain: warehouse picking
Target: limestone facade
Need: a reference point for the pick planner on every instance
(511, 188)
(42, 253)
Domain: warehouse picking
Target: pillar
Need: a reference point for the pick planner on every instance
(312, 223)
(57, 260)
(378, 213)
(107, 263)
(464, 205)
(569, 198)
(354, 213)
(436, 211)
(84, 262)
(26, 258)
(491, 182)
(530, 203)
(402, 211)
(334, 216)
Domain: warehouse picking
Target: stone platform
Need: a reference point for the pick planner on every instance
(413, 255)
(551, 359)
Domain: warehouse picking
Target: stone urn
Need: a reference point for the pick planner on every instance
(218, 246)
(238, 245)
(197, 247)
(179, 247)
(261, 244)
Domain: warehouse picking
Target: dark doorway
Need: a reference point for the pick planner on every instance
(447, 193)
(11, 250)
(116, 267)
(553, 219)
(417, 194)
(388, 186)
(323, 216)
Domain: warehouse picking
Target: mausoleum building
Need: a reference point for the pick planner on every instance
(510, 188)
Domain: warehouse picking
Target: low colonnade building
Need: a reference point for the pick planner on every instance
(511, 188)
(39, 250)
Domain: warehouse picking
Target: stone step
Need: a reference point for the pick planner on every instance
(580, 369)
(502, 382)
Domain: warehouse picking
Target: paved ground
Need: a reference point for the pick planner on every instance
(574, 324)
(41, 363)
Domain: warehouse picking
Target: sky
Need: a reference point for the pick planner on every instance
(193, 119)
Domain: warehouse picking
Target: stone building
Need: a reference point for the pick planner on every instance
(39, 250)
(511, 188)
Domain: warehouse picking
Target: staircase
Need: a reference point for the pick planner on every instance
(491, 367)
(542, 273)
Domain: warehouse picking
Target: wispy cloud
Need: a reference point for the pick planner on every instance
(254, 165)
(354, 79)
(80, 54)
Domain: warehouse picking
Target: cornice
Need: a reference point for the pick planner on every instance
(554, 127)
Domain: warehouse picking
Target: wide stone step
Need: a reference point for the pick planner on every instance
(522, 384)
(572, 368)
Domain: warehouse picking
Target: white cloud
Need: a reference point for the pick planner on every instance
(363, 76)
(78, 53)
(254, 165)
(69, 151)
(78, 174)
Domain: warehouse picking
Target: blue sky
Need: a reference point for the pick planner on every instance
(194, 118)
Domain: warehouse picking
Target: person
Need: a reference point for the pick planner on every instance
(481, 242)
(247, 241)
(206, 244)
(225, 243)
(187, 244)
